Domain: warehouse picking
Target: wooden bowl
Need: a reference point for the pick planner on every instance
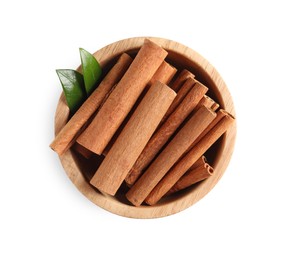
(80, 170)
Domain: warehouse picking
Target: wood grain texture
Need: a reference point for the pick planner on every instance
(185, 57)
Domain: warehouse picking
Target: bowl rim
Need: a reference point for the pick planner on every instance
(109, 203)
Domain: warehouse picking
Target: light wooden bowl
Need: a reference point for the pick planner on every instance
(79, 171)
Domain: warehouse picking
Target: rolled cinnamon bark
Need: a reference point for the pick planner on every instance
(123, 97)
(180, 80)
(164, 74)
(220, 114)
(189, 159)
(191, 177)
(181, 94)
(215, 106)
(68, 134)
(133, 138)
(170, 155)
(201, 161)
(206, 101)
(165, 131)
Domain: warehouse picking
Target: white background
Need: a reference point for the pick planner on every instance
(43, 216)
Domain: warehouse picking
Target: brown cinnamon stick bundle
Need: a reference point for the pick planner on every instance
(170, 155)
(133, 138)
(189, 159)
(123, 97)
(180, 80)
(165, 131)
(164, 75)
(67, 136)
(191, 177)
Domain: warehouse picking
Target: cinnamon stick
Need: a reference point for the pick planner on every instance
(189, 159)
(170, 155)
(165, 131)
(164, 73)
(181, 78)
(220, 114)
(133, 138)
(206, 101)
(67, 136)
(201, 161)
(123, 97)
(191, 177)
(185, 88)
(215, 106)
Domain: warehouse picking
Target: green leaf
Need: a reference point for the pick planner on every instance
(73, 87)
(91, 70)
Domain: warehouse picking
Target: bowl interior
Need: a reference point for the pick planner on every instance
(206, 74)
(89, 166)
